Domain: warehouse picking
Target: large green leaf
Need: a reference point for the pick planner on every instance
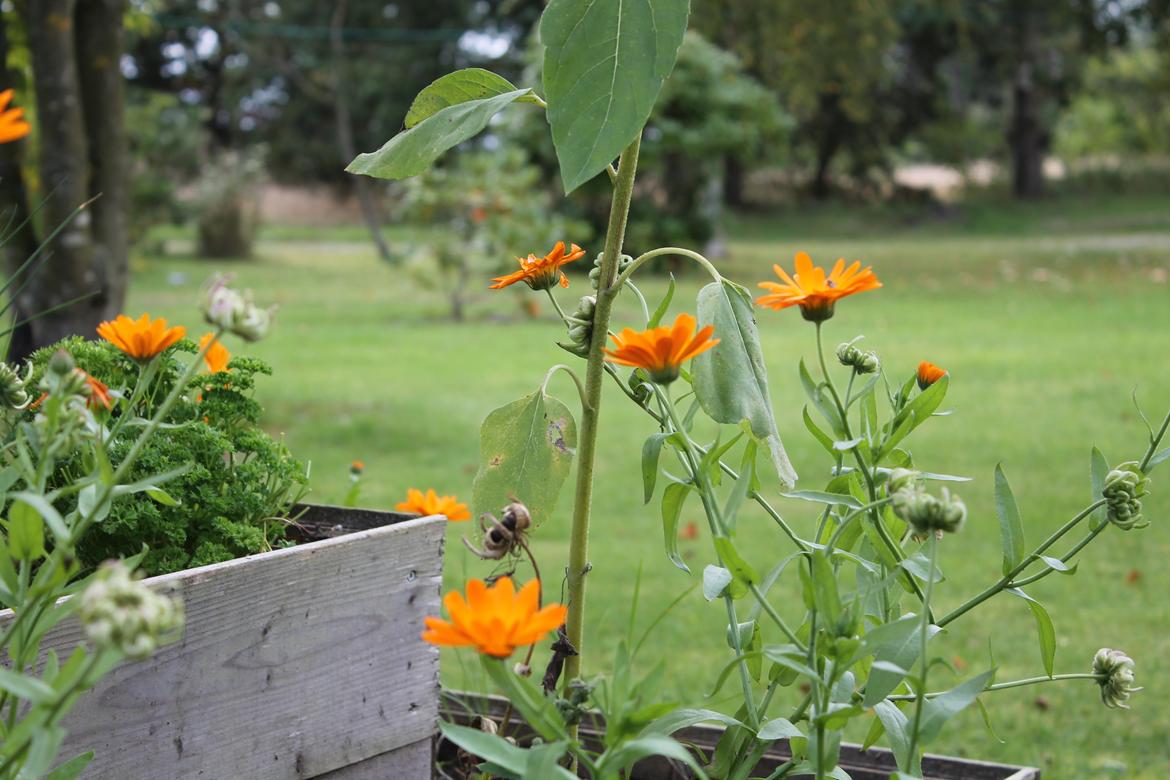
(937, 710)
(412, 151)
(525, 451)
(1010, 528)
(462, 86)
(896, 646)
(672, 502)
(604, 63)
(730, 380)
(1044, 629)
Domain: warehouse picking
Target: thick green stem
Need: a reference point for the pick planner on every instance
(623, 192)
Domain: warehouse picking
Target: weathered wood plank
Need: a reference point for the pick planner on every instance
(409, 762)
(293, 664)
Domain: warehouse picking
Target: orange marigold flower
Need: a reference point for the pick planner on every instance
(142, 338)
(928, 373)
(217, 356)
(430, 503)
(541, 273)
(99, 394)
(496, 620)
(357, 467)
(812, 291)
(13, 127)
(661, 351)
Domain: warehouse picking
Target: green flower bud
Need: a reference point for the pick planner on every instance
(1124, 487)
(927, 513)
(61, 364)
(862, 361)
(13, 391)
(901, 479)
(595, 272)
(1115, 675)
(120, 613)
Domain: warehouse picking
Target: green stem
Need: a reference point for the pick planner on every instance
(572, 374)
(772, 613)
(560, 311)
(1154, 442)
(623, 192)
(667, 250)
(923, 638)
(1005, 581)
(1003, 686)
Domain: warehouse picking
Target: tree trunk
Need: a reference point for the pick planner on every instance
(1027, 138)
(733, 182)
(70, 270)
(345, 140)
(826, 150)
(99, 51)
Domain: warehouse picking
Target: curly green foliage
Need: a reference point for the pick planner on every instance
(239, 482)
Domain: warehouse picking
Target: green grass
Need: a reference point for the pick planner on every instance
(1047, 317)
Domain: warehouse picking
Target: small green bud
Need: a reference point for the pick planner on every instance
(1124, 487)
(119, 612)
(927, 513)
(861, 361)
(901, 479)
(1115, 675)
(13, 388)
(61, 364)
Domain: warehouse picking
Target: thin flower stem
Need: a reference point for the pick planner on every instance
(578, 566)
(557, 306)
(883, 533)
(667, 250)
(850, 518)
(923, 638)
(573, 375)
(1003, 686)
(641, 299)
(1006, 581)
(1154, 442)
(788, 632)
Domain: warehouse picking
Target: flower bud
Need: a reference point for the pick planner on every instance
(1115, 675)
(862, 361)
(927, 513)
(901, 479)
(235, 312)
(61, 363)
(120, 613)
(13, 390)
(1124, 487)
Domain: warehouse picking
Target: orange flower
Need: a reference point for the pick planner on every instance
(12, 124)
(141, 339)
(495, 621)
(217, 356)
(541, 273)
(812, 291)
(357, 467)
(430, 503)
(661, 351)
(99, 394)
(928, 374)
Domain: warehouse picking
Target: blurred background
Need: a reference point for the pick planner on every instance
(1003, 164)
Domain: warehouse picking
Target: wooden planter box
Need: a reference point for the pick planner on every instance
(303, 662)
(872, 764)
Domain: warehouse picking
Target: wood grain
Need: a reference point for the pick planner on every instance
(294, 664)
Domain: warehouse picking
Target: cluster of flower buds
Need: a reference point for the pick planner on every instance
(860, 360)
(14, 388)
(121, 613)
(1114, 671)
(595, 271)
(572, 708)
(580, 327)
(234, 311)
(1124, 488)
(925, 513)
(63, 421)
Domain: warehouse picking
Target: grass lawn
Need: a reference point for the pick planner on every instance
(1047, 318)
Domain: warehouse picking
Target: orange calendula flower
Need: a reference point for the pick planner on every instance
(142, 338)
(13, 127)
(928, 373)
(217, 356)
(430, 503)
(661, 351)
(496, 620)
(99, 394)
(812, 291)
(541, 273)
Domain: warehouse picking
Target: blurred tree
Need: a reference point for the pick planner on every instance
(74, 49)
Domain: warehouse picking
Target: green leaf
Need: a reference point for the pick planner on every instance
(1098, 470)
(651, 451)
(525, 450)
(629, 753)
(743, 486)
(1157, 458)
(673, 498)
(1058, 565)
(897, 728)
(825, 439)
(937, 710)
(538, 710)
(1044, 628)
(26, 532)
(604, 63)
(412, 151)
(30, 689)
(784, 655)
(820, 589)
(778, 728)
(821, 497)
(730, 380)
(715, 581)
(1010, 528)
(740, 569)
(681, 719)
(896, 647)
(462, 86)
(489, 747)
(72, 768)
(663, 306)
(542, 761)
